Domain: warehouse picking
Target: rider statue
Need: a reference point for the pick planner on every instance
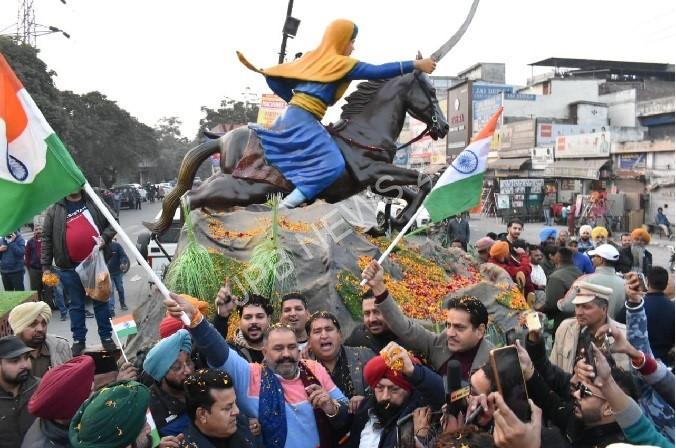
(297, 143)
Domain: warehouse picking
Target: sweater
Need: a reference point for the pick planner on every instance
(659, 312)
(300, 419)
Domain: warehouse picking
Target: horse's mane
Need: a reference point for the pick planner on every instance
(357, 100)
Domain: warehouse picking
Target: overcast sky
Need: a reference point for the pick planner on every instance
(168, 58)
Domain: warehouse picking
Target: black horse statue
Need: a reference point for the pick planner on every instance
(370, 124)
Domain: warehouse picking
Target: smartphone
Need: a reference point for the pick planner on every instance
(644, 282)
(587, 341)
(510, 382)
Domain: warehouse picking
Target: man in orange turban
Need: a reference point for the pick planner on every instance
(297, 144)
(517, 268)
(636, 258)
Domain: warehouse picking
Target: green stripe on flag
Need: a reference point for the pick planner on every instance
(60, 177)
(128, 331)
(454, 198)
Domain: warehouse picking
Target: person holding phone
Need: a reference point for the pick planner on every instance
(591, 312)
(576, 406)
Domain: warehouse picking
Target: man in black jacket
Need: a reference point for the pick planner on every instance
(68, 234)
(579, 410)
(395, 394)
(458, 229)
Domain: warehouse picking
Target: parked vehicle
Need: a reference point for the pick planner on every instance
(159, 250)
(398, 205)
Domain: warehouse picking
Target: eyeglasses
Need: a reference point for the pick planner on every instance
(586, 391)
(178, 366)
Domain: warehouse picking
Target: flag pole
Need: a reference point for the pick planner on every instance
(117, 338)
(131, 246)
(394, 242)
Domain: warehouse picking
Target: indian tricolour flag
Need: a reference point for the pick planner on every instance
(35, 168)
(153, 429)
(124, 326)
(459, 187)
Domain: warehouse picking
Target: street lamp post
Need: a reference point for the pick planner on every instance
(290, 29)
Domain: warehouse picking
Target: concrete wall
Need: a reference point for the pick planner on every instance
(556, 104)
(621, 107)
(591, 114)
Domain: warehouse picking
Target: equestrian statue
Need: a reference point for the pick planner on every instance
(304, 160)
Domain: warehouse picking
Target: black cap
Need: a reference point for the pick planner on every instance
(12, 347)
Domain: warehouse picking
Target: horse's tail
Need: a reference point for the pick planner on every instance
(186, 175)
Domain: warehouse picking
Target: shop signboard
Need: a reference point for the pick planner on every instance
(632, 161)
(483, 110)
(458, 118)
(271, 107)
(596, 144)
(541, 157)
(547, 133)
(511, 186)
(519, 135)
(481, 91)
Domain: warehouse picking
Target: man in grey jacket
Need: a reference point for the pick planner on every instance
(463, 340)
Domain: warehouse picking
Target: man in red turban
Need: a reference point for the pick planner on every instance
(59, 395)
(400, 384)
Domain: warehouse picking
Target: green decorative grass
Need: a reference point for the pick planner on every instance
(10, 299)
(348, 288)
(192, 272)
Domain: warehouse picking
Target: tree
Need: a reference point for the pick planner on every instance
(230, 112)
(172, 147)
(103, 139)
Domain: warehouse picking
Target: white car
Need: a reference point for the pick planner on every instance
(156, 247)
(398, 205)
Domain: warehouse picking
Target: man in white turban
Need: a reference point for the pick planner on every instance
(29, 322)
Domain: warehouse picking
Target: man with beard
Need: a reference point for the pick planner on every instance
(625, 240)
(585, 243)
(29, 322)
(548, 263)
(395, 394)
(169, 364)
(16, 388)
(636, 257)
(344, 364)
(463, 339)
(562, 238)
(599, 236)
(57, 398)
(253, 323)
(374, 333)
(296, 402)
(212, 408)
(295, 315)
(113, 417)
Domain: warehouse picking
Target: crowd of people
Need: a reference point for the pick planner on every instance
(296, 380)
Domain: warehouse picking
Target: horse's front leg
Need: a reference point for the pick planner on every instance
(392, 181)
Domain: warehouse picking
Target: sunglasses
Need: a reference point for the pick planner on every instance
(586, 391)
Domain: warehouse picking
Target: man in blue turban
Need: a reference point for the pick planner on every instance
(547, 236)
(169, 364)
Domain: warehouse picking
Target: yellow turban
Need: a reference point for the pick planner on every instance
(599, 231)
(640, 234)
(23, 315)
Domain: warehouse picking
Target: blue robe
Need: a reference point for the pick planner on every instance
(297, 143)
